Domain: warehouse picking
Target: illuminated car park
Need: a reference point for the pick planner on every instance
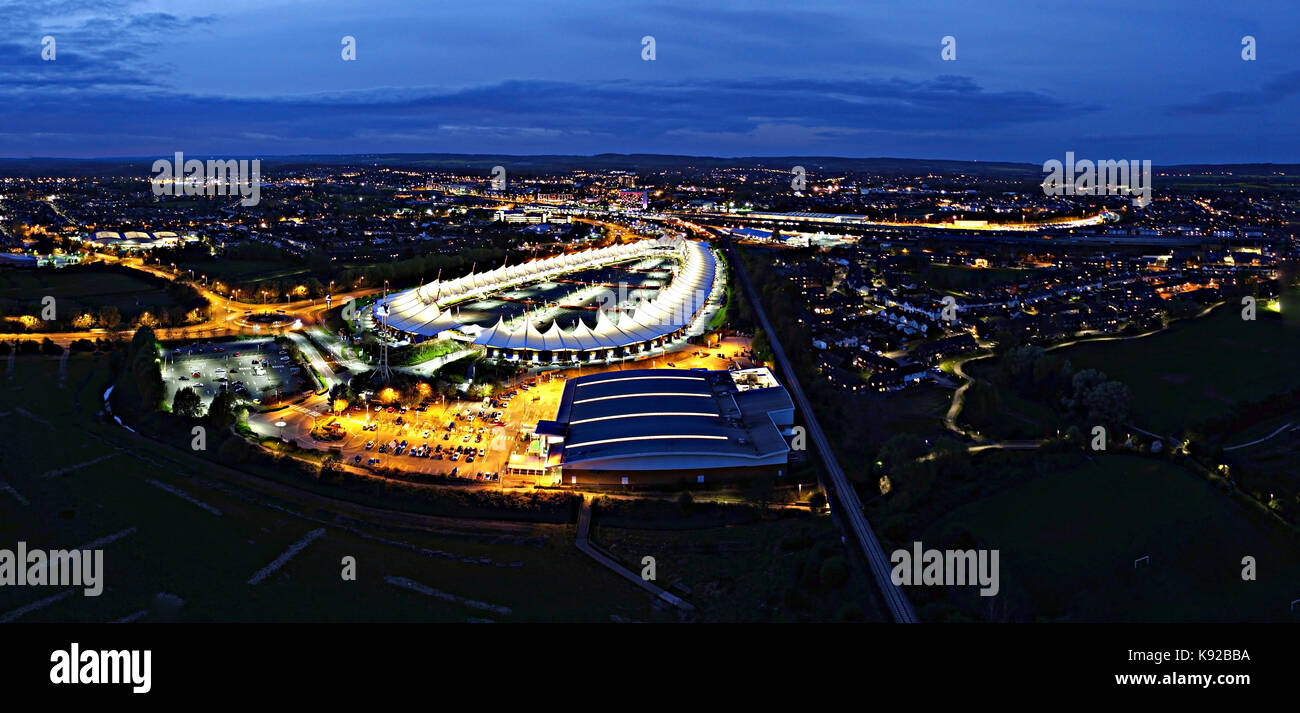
(182, 362)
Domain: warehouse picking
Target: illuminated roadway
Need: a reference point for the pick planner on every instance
(306, 311)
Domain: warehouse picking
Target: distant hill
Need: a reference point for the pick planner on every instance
(635, 162)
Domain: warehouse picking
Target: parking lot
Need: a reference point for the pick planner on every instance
(434, 435)
(254, 368)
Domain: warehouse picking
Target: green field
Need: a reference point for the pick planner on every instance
(858, 424)
(1017, 418)
(1200, 368)
(918, 409)
(960, 278)
(85, 289)
(1068, 542)
(176, 547)
(760, 571)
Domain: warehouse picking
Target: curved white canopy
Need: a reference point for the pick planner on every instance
(421, 310)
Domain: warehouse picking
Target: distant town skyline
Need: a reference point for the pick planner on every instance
(1110, 80)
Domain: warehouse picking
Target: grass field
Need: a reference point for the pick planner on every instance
(205, 549)
(858, 424)
(1068, 541)
(761, 571)
(918, 410)
(1018, 418)
(87, 289)
(1200, 368)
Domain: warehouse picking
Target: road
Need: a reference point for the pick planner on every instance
(1257, 441)
(959, 396)
(309, 352)
(228, 322)
(843, 491)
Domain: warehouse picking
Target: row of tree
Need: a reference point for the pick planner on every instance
(1087, 396)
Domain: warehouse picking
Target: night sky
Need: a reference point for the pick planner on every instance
(1159, 80)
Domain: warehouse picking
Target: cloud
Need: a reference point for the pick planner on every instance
(1274, 91)
(598, 115)
(107, 46)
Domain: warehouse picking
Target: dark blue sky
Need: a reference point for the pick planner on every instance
(1160, 80)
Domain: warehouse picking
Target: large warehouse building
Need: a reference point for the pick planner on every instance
(664, 426)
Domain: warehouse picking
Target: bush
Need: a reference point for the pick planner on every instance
(794, 543)
(834, 573)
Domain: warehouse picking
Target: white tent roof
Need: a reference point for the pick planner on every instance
(419, 310)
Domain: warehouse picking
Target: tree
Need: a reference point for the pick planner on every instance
(761, 489)
(953, 457)
(330, 466)
(109, 317)
(144, 344)
(685, 502)
(148, 381)
(1051, 373)
(834, 573)
(1108, 403)
(1083, 382)
(902, 448)
(186, 403)
(225, 409)
(982, 404)
(1018, 366)
(1007, 337)
(816, 501)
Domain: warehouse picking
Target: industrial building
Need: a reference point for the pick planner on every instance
(667, 426)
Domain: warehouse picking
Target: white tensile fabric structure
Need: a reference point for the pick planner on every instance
(420, 311)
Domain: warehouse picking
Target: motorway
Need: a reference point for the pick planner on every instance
(843, 491)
